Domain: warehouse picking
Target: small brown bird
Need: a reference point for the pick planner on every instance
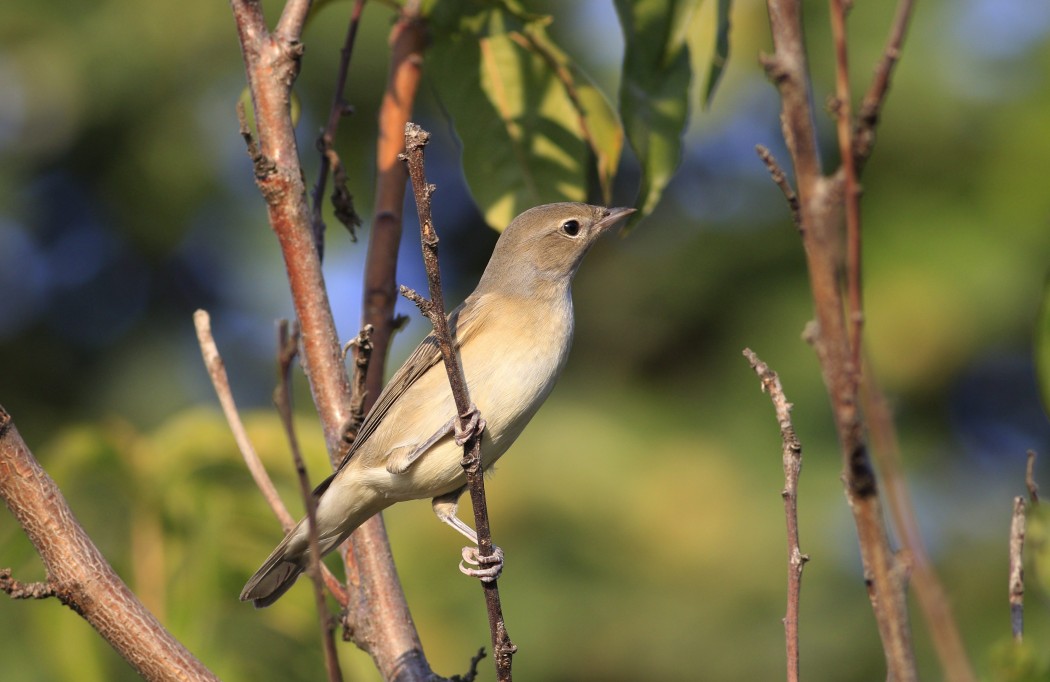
(513, 334)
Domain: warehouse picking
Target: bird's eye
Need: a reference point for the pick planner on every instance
(571, 227)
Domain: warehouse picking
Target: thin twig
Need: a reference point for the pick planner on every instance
(871, 105)
(781, 181)
(220, 381)
(472, 672)
(1017, 532)
(844, 127)
(415, 141)
(363, 347)
(792, 459)
(1029, 479)
(341, 199)
(287, 350)
(16, 589)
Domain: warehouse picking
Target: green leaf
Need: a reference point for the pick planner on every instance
(533, 128)
(654, 91)
(1042, 347)
(721, 55)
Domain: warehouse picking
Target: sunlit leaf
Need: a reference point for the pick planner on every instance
(531, 125)
(654, 91)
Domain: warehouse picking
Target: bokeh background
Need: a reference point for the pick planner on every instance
(641, 511)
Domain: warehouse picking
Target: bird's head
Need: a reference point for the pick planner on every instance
(546, 244)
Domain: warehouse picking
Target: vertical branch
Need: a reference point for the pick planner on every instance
(1017, 531)
(934, 604)
(377, 614)
(792, 458)
(415, 141)
(391, 638)
(408, 39)
(272, 64)
(820, 205)
(844, 126)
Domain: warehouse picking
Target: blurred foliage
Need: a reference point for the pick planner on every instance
(641, 510)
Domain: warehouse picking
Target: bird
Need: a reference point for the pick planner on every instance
(513, 335)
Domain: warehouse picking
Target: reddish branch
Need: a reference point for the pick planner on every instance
(77, 573)
(792, 459)
(836, 338)
(415, 142)
(378, 616)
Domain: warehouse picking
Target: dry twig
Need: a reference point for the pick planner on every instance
(792, 459)
(341, 199)
(1029, 479)
(287, 349)
(1017, 532)
(415, 141)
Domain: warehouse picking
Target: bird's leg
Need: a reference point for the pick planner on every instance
(473, 428)
(445, 509)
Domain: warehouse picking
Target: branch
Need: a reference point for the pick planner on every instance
(934, 604)
(1029, 479)
(220, 381)
(844, 127)
(1017, 531)
(77, 573)
(341, 199)
(781, 181)
(792, 457)
(871, 106)
(287, 349)
(415, 141)
(271, 64)
(217, 372)
(819, 210)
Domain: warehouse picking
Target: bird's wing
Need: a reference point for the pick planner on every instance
(463, 323)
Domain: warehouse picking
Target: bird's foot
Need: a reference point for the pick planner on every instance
(488, 567)
(471, 429)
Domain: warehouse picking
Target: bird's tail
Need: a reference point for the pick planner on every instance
(278, 572)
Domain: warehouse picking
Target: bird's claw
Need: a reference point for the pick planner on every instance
(473, 428)
(488, 567)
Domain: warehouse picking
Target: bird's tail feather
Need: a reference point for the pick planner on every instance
(278, 572)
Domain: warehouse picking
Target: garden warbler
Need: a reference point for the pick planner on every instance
(513, 335)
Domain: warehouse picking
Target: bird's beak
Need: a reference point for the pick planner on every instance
(614, 216)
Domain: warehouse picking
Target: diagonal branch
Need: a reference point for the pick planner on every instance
(415, 141)
(77, 573)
